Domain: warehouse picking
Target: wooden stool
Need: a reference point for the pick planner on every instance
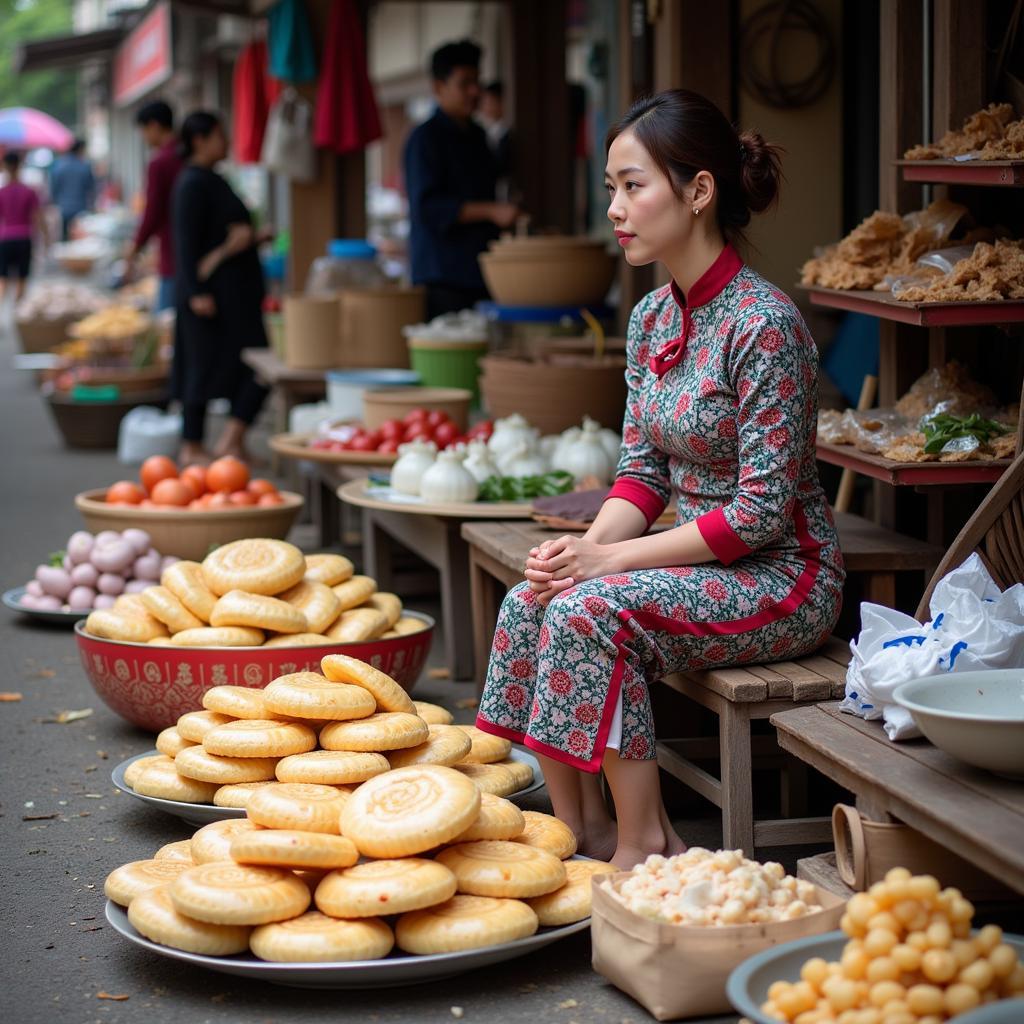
(740, 696)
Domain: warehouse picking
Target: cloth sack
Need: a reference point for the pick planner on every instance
(676, 971)
(974, 625)
(287, 144)
(292, 55)
(347, 118)
(254, 93)
(147, 431)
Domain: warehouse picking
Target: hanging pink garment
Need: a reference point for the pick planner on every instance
(255, 93)
(346, 111)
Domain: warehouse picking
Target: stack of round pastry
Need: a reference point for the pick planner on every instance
(252, 593)
(338, 729)
(416, 857)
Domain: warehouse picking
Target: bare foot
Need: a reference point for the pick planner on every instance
(193, 455)
(236, 450)
(673, 843)
(599, 844)
(628, 857)
(665, 842)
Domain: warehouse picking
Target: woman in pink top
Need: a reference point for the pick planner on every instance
(20, 216)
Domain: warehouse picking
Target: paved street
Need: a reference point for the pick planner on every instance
(63, 826)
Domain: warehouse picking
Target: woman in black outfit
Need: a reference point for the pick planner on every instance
(219, 285)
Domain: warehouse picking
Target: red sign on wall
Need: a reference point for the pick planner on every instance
(143, 61)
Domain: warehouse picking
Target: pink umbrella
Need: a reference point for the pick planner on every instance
(25, 128)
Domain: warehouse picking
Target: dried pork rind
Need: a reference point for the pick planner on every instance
(982, 130)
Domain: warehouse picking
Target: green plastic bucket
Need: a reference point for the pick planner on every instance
(448, 364)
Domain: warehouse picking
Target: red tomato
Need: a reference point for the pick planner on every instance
(155, 469)
(243, 498)
(195, 475)
(172, 492)
(436, 417)
(362, 443)
(227, 474)
(259, 487)
(221, 499)
(392, 428)
(389, 444)
(269, 500)
(418, 432)
(415, 416)
(445, 434)
(484, 429)
(125, 492)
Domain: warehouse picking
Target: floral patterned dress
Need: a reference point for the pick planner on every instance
(721, 413)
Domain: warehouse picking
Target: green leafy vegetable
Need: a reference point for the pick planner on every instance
(520, 488)
(942, 428)
(56, 559)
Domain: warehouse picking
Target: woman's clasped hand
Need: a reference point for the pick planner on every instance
(556, 565)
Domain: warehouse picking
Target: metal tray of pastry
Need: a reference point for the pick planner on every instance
(396, 969)
(203, 814)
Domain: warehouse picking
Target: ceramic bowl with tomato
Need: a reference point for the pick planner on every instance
(151, 685)
(191, 533)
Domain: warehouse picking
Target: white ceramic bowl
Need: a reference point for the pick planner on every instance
(977, 717)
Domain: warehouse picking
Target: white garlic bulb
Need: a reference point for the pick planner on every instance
(414, 459)
(448, 481)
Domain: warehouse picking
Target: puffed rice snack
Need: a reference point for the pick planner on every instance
(702, 887)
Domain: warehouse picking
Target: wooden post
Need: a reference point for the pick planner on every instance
(902, 350)
(958, 64)
(542, 154)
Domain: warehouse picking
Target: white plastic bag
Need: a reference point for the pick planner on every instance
(974, 625)
(146, 431)
(288, 140)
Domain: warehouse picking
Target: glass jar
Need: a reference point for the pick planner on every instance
(349, 263)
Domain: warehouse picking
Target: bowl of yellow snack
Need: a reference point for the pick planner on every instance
(906, 952)
(977, 717)
(253, 610)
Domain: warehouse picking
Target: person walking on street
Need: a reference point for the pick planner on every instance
(72, 185)
(20, 217)
(219, 293)
(450, 178)
(156, 125)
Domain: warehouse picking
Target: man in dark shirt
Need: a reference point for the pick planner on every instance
(156, 124)
(72, 185)
(450, 178)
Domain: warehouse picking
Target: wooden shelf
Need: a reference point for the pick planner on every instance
(964, 172)
(921, 314)
(912, 474)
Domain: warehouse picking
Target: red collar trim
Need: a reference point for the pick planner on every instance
(710, 284)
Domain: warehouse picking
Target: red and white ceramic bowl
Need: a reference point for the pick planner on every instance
(151, 686)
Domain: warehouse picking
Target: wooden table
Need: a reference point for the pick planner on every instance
(497, 554)
(967, 810)
(291, 387)
(434, 532)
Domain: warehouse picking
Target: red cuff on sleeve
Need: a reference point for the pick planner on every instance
(721, 537)
(639, 494)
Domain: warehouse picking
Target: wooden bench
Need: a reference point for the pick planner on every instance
(739, 696)
(967, 810)
(972, 812)
(497, 553)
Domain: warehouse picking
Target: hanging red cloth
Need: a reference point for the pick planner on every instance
(255, 93)
(346, 111)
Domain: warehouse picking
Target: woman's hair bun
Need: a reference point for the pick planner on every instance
(760, 171)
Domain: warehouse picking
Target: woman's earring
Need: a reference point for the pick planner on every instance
(696, 211)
